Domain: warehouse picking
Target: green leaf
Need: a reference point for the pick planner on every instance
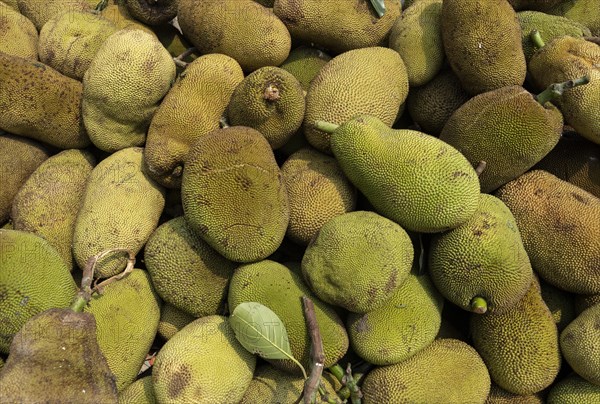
(379, 6)
(260, 331)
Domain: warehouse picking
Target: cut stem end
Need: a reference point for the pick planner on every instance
(479, 305)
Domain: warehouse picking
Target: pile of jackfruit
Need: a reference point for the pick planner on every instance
(426, 173)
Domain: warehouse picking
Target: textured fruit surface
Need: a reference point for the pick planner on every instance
(233, 194)
(357, 261)
(138, 392)
(18, 35)
(203, 362)
(304, 63)
(580, 344)
(573, 389)
(500, 396)
(172, 320)
(40, 14)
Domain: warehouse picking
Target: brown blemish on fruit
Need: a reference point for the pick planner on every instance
(179, 381)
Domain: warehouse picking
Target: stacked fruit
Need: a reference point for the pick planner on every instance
(262, 200)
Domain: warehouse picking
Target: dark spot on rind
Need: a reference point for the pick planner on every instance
(362, 325)
(179, 381)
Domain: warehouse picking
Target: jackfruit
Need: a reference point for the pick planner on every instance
(406, 323)
(573, 389)
(418, 181)
(38, 102)
(446, 371)
(47, 204)
(272, 386)
(138, 392)
(575, 160)
(55, 358)
(580, 344)
(152, 13)
(305, 62)
(271, 101)
(583, 302)
(233, 194)
(206, 86)
(280, 289)
(33, 278)
(203, 362)
(19, 157)
(119, 15)
(118, 180)
(127, 314)
(172, 320)
(482, 42)
(568, 58)
(122, 88)
(549, 26)
(500, 396)
(551, 214)
(186, 271)
(560, 303)
(337, 26)
(317, 191)
(357, 261)
(519, 345)
(417, 37)
(243, 29)
(369, 81)
(432, 104)
(482, 265)
(508, 129)
(18, 35)
(585, 12)
(39, 14)
(69, 41)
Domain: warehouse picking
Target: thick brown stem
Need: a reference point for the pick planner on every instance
(311, 385)
(593, 39)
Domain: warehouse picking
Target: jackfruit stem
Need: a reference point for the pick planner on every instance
(347, 380)
(478, 305)
(536, 38)
(317, 356)
(555, 90)
(179, 59)
(325, 126)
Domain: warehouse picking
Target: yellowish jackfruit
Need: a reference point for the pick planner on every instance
(172, 320)
(138, 392)
(18, 35)
(500, 396)
(560, 303)
(580, 344)
(573, 389)
(40, 13)
(304, 62)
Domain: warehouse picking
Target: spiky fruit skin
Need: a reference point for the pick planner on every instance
(580, 344)
(573, 389)
(552, 213)
(33, 278)
(152, 13)
(172, 320)
(484, 258)
(40, 15)
(482, 41)
(203, 362)
(18, 36)
(500, 396)
(138, 392)
(233, 194)
(55, 358)
(585, 12)
(447, 370)
(520, 344)
(414, 179)
(408, 322)
(304, 63)
(277, 287)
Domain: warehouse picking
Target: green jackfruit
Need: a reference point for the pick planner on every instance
(406, 323)
(38, 102)
(414, 179)
(337, 25)
(172, 320)
(551, 214)
(138, 392)
(39, 14)
(317, 190)
(573, 389)
(417, 37)
(482, 265)
(186, 271)
(446, 371)
(206, 86)
(560, 303)
(33, 278)
(583, 302)
(357, 261)
(233, 194)
(567, 58)
(69, 41)
(271, 101)
(48, 203)
(508, 129)
(18, 35)
(19, 157)
(500, 396)
(580, 344)
(127, 314)
(482, 41)
(585, 12)
(118, 180)
(152, 13)
(243, 29)
(281, 290)
(305, 62)
(377, 72)
(122, 88)
(519, 345)
(203, 362)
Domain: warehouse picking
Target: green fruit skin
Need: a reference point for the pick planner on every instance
(138, 392)
(305, 63)
(280, 289)
(418, 181)
(573, 389)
